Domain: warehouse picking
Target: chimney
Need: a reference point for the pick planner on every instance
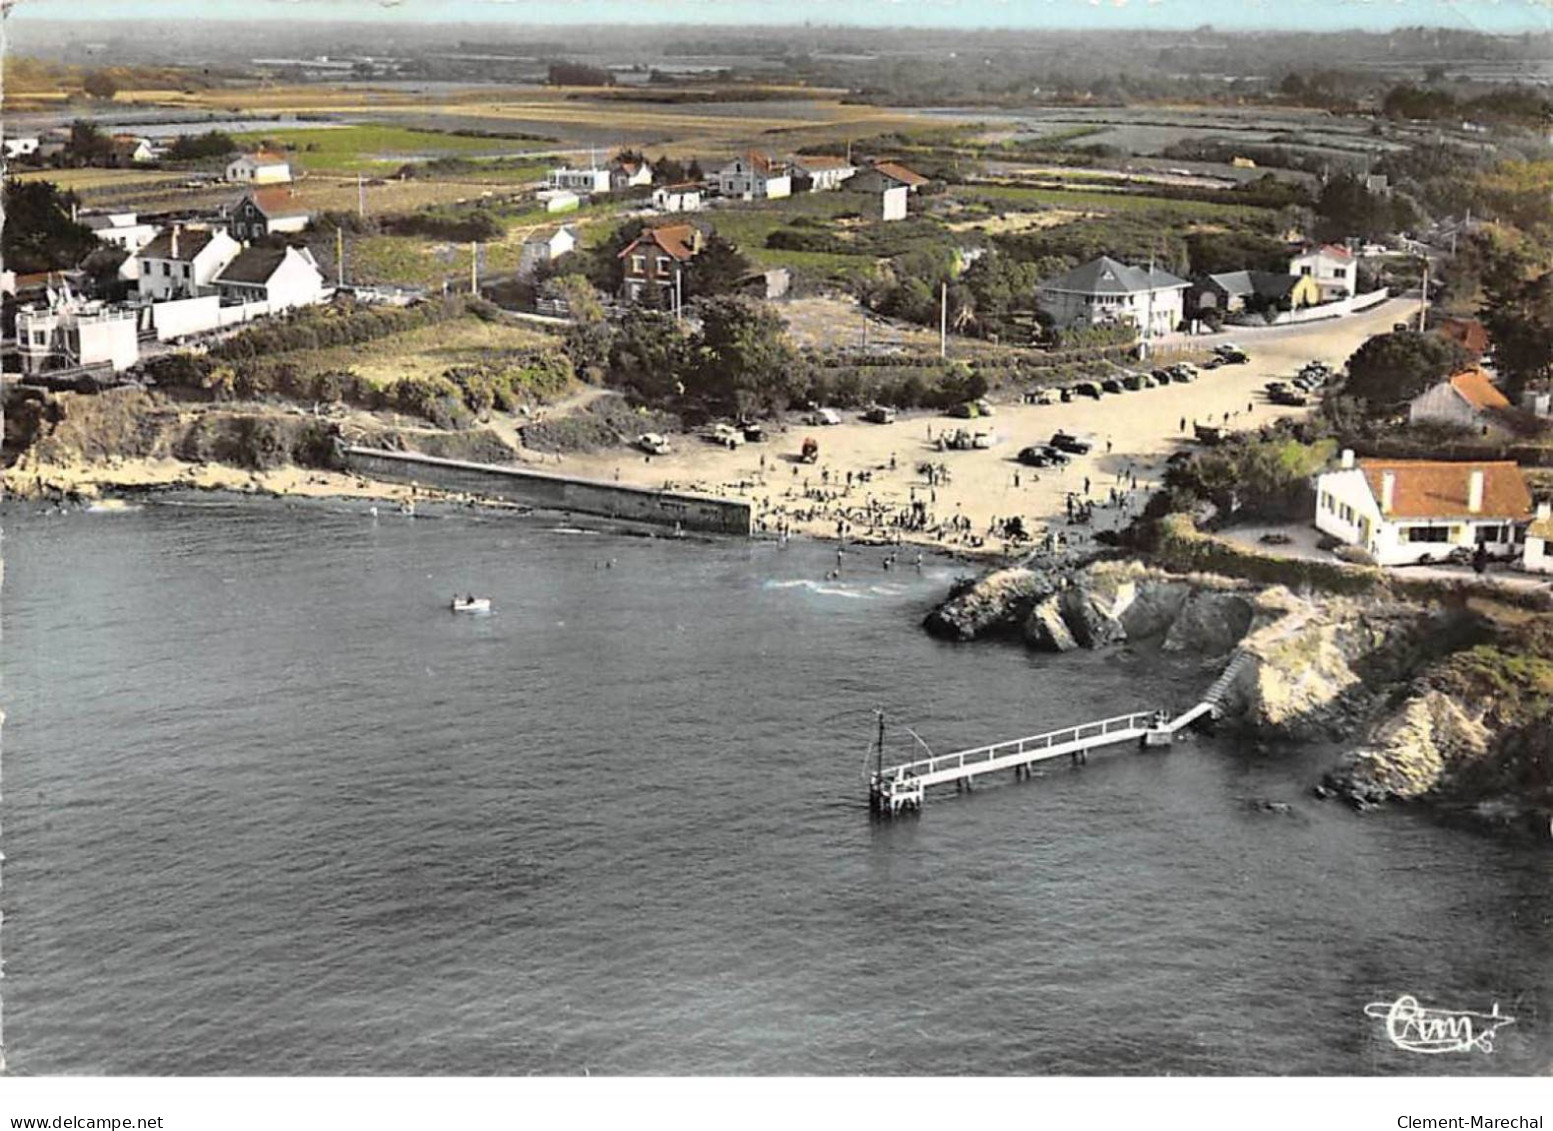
(1347, 459)
(1388, 491)
(1475, 491)
(1544, 512)
(177, 230)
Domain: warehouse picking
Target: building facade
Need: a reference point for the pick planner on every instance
(183, 262)
(543, 246)
(1335, 269)
(580, 180)
(70, 335)
(754, 176)
(265, 212)
(1466, 400)
(652, 266)
(1402, 512)
(1106, 291)
(677, 198)
(820, 173)
(284, 278)
(261, 167)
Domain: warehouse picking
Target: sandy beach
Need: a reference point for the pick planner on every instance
(1135, 434)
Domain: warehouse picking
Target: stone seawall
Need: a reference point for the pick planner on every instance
(554, 492)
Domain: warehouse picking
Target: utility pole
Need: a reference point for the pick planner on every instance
(879, 754)
(474, 268)
(361, 197)
(1423, 298)
(943, 320)
(679, 294)
(339, 257)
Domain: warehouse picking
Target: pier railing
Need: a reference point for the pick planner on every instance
(962, 762)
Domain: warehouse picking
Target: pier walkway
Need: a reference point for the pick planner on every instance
(892, 789)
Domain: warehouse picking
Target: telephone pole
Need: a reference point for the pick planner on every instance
(339, 257)
(474, 268)
(943, 320)
(361, 197)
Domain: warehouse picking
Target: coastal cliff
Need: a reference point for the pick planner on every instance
(1439, 703)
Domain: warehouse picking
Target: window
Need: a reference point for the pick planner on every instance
(1426, 533)
(40, 337)
(167, 269)
(663, 264)
(1494, 533)
(639, 265)
(185, 270)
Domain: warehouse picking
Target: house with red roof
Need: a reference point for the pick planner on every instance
(652, 266)
(1402, 512)
(1467, 400)
(261, 167)
(265, 211)
(1335, 269)
(754, 176)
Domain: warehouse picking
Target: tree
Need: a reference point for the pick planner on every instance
(716, 269)
(100, 84)
(1346, 207)
(588, 337)
(578, 74)
(1396, 367)
(651, 355)
(746, 361)
(1518, 315)
(191, 147)
(39, 233)
(87, 144)
(1212, 252)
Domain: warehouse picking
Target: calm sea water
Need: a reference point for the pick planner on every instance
(270, 808)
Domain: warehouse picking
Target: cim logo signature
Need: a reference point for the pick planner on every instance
(1413, 1028)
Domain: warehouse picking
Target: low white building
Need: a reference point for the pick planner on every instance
(754, 176)
(558, 200)
(20, 147)
(629, 174)
(282, 278)
(677, 198)
(120, 229)
(1538, 555)
(892, 202)
(1402, 512)
(544, 245)
(70, 334)
(261, 167)
(580, 180)
(1466, 400)
(1107, 291)
(821, 173)
(1335, 269)
(183, 262)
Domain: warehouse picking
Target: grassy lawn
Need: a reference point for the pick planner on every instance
(426, 352)
(1006, 196)
(379, 148)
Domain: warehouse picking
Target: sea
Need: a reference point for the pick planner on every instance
(270, 808)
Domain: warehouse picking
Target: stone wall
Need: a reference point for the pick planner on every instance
(554, 492)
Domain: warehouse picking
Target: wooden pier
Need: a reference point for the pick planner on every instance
(902, 787)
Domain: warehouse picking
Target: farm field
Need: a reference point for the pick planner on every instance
(1095, 200)
(376, 149)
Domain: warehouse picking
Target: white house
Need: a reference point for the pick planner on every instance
(1538, 557)
(754, 176)
(127, 149)
(183, 262)
(892, 202)
(261, 167)
(283, 277)
(1407, 511)
(1335, 269)
(822, 173)
(1467, 400)
(120, 229)
(677, 198)
(69, 333)
(580, 180)
(543, 245)
(20, 147)
(1108, 291)
(629, 174)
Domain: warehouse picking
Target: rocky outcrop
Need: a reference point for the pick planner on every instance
(1411, 751)
(1210, 622)
(1046, 629)
(996, 604)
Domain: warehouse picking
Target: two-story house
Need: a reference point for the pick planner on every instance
(652, 266)
(1335, 269)
(754, 176)
(183, 262)
(544, 245)
(266, 211)
(629, 174)
(1105, 291)
(261, 167)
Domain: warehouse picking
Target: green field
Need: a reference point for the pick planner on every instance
(378, 149)
(1011, 196)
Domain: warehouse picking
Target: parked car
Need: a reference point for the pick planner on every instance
(1273, 386)
(1294, 398)
(1077, 444)
(1161, 375)
(653, 444)
(880, 414)
(1235, 357)
(753, 431)
(1136, 381)
(1112, 385)
(1182, 376)
(725, 435)
(1213, 362)
(824, 416)
(1087, 389)
(1041, 396)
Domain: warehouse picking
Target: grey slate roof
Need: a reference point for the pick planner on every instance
(253, 265)
(1107, 276)
(191, 241)
(1272, 284)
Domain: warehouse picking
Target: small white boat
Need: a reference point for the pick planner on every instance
(471, 604)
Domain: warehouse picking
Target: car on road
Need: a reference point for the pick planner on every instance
(1077, 444)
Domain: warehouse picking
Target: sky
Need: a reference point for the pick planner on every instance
(1310, 15)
